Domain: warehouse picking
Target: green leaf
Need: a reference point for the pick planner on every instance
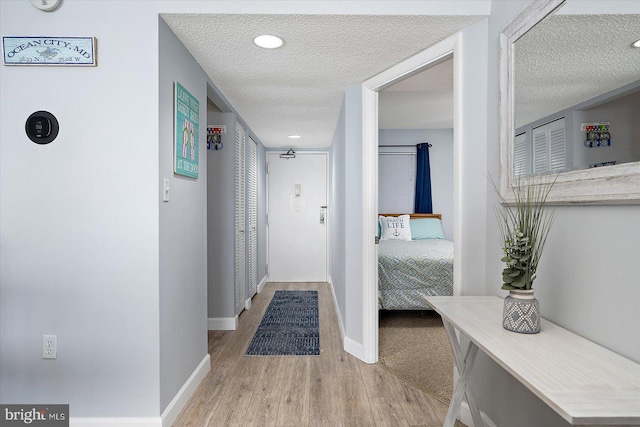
(507, 279)
(507, 287)
(519, 282)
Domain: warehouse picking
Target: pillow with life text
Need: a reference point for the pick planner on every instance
(395, 227)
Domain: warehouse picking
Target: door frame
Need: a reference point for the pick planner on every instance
(427, 58)
(327, 217)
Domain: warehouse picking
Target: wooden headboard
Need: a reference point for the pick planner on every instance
(417, 215)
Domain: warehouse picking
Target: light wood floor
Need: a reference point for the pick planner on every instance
(333, 389)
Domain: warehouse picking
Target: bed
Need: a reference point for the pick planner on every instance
(410, 269)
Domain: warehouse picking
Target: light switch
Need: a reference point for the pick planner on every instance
(165, 190)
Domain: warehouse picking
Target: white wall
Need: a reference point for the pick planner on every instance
(89, 252)
(470, 183)
(441, 162)
(80, 216)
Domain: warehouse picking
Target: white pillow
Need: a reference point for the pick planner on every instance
(395, 227)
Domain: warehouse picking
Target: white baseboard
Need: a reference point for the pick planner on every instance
(222, 323)
(354, 348)
(262, 283)
(169, 415)
(115, 422)
(465, 416)
(247, 304)
(178, 403)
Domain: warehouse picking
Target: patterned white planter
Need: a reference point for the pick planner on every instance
(521, 312)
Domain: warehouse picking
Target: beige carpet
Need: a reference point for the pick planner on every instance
(414, 346)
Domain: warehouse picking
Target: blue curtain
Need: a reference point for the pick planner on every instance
(423, 181)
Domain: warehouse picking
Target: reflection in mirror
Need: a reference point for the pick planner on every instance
(576, 94)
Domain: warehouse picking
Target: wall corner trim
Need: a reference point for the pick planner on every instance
(262, 283)
(178, 403)
(222, 323)
(465, 416)
(337, 308)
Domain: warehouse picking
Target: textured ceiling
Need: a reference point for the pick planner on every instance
(299, 88)
(569, 59)
(422, 101)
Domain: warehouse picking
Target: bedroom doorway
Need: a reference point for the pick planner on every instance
(370, 88)
(412, 342)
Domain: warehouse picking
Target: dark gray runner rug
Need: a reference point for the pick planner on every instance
(289, 327)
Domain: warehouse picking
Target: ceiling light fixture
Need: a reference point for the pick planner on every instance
(294, 136)
(268, 41)
(636, 43)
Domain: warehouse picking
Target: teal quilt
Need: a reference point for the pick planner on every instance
(410, 270)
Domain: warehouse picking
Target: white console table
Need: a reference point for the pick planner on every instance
(582, 381)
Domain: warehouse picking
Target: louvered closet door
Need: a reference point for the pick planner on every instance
(240, 278)
(557, 149)
(252, 199)
(540, 151)
(549, 148)
(520, 156)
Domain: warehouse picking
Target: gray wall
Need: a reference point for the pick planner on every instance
(221, 219)
(338, 214)
(441, 161)
(80, 218)
(587, 279)
(183, 225)
(353, 214)
(622, 114)
(221, 208)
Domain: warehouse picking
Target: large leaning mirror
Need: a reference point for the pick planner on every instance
(570, 102)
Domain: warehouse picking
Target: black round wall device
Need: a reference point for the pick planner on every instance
(41, 127)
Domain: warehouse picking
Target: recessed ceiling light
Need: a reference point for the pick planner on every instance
(294, 136)
(636, 43)
(268, 41)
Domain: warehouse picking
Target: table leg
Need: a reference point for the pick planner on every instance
(464, 365)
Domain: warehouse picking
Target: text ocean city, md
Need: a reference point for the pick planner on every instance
(49, 50)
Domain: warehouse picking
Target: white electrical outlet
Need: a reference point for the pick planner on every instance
(49, 346)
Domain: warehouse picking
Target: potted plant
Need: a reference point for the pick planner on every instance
(524, 226)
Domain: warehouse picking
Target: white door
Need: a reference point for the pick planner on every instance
(297, 222)
(240, 261)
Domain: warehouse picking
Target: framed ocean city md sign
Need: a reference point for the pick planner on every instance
(49, 50)
(186, 125)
